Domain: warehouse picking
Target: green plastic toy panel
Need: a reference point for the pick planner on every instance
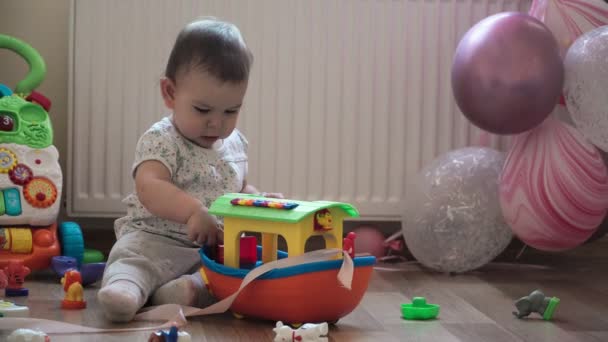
(223, 207)
(32, 125)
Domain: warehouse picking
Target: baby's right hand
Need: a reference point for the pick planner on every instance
(203, 227)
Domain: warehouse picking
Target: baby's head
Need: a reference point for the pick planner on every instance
(206, 80)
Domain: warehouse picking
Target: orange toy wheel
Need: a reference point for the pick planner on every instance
(40, 192)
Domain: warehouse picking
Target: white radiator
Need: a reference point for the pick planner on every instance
(348, 98)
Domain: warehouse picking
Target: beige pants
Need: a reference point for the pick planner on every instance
(149, 260)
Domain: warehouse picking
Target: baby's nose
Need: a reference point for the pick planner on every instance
(214, 123)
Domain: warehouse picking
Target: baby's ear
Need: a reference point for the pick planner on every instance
(167, 90)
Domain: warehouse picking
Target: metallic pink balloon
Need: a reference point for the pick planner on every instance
(507, 74)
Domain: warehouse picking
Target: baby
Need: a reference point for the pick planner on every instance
(182, 164)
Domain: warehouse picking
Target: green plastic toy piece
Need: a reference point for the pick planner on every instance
(553, 303)
(536, 302)
(419, 310)
(2, 208)
(92, 256)
(223, 207)
(32, 125)
(33, 59)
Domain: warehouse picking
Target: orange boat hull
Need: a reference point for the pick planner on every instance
(302, 298)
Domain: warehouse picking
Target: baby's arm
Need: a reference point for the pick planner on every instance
(162, 198)
(250, 189)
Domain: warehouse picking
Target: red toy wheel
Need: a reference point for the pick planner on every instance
(21, 174)
(40, 99)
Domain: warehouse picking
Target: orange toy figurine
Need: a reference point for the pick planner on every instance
(349, 244)
(72, 285)
(16, 273)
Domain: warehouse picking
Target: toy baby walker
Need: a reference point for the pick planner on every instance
(303, 293)
(31, 181)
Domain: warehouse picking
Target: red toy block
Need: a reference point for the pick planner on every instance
(248, 251)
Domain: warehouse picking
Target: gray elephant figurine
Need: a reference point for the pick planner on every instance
(536, 302)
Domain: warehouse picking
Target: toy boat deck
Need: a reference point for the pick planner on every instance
(307, 293)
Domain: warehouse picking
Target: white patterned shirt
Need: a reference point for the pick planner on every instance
(203, 173)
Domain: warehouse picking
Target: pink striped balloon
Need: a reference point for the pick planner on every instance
(568, 19)
(554, 187)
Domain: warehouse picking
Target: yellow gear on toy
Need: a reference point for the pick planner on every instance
(8, 160)
(21, 240)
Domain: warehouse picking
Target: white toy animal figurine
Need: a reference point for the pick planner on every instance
(28, 335)
(306, 333)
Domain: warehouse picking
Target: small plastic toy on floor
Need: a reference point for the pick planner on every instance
(536, 302)
(419, 309)
(172, 335)
(15, 273)
(10, 309)
(72, 285)
(29, 335)
(306, 333)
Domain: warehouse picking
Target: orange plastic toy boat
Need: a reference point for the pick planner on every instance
(309, 293)
(304, 293)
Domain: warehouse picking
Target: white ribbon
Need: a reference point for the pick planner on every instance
(173, 314)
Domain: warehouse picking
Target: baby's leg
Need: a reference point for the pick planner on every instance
(138, 264)
(188, 290)
(120, 300)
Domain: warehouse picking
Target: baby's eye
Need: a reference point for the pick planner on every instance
(202, 110)
(231, 111)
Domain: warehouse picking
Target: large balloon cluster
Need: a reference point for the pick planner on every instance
(518, 74)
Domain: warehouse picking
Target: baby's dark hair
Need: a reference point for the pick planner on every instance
(210, 45)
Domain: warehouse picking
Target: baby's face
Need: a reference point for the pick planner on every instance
(205, 109)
